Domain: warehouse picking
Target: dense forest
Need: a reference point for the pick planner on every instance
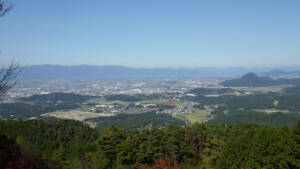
(136, 121)
(274, 119)
(71, 144)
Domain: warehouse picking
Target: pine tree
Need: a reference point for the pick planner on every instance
(109, 143)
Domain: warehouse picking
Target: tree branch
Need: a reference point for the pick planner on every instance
(8, 77)
(5, 7)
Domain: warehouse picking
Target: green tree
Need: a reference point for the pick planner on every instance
(110, 143)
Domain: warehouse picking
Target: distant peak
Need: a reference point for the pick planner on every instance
(249, 76)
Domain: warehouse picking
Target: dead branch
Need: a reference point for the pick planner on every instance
(8, 77)
(5, 7)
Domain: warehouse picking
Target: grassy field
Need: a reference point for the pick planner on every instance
(198, 116)
(75, 115)
(166, 102)
(104, 102)
(270, 111)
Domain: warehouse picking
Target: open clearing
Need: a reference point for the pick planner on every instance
(198, 116)
(104, 102)
(166, 102)
(270, 111)
(75, 115)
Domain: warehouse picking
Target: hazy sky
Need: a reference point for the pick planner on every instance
(152, 33)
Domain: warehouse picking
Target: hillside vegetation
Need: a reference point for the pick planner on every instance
(70, 144)
(253, 108)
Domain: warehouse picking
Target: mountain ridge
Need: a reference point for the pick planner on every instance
(252, 80)
(115, 72)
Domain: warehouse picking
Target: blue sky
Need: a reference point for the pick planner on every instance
(153, 33)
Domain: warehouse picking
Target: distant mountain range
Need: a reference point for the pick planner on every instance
(276, 73)
(87, 72)
(252, 80)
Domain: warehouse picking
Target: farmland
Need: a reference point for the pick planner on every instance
(198, 116)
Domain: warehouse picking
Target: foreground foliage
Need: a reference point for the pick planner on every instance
(70, 144)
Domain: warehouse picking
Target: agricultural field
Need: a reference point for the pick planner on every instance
(162, 101)
(75, 114)
(104, 102)
(198, 116)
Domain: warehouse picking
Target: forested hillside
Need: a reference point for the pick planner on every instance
(275, 109)
(70, 144)
(137, 121)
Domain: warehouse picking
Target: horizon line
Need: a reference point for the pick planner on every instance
(170, 67)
